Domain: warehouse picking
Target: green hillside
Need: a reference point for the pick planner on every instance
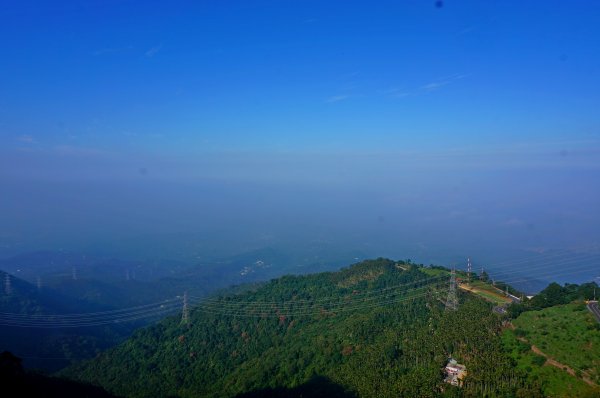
(103, 285)
(333, 334)
(569, 333)
(560, 345)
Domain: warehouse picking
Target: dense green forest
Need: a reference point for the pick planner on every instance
(59, 283)
(375, 329)
(555, 294)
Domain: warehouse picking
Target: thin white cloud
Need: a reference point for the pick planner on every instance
(154, 50)
(432, 86)
(77, 151)
(27, 139)
(467, 30)
(337, 98)
(396, 93)
(513, 222)
(109, 50)
(425, 88)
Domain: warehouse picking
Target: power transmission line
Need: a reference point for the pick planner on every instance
(230, 307)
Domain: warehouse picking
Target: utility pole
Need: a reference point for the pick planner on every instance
(452, 300)
(7, 285)
(185, 316)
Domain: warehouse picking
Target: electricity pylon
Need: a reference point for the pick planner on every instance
(469, 269)
(452, 299)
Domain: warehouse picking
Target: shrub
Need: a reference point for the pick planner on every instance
(538, 360)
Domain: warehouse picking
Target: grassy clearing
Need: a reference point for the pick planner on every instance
(486, 291)
(567, 333)
(434, 271)
(553, 381)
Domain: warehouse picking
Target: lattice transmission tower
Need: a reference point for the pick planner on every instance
(469, 269)
(452, 299)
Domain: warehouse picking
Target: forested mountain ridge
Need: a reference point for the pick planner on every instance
(51, 347)
(74, 286)
(117, 283)
(375, 329)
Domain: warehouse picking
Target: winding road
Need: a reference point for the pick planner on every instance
(593, 307)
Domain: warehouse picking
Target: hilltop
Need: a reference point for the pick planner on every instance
(79, 287)
(377, 328)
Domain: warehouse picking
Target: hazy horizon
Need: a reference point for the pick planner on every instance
(405, 130)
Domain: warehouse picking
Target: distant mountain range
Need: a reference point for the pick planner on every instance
(62, 283)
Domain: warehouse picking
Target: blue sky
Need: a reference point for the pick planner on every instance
(474, 123)
(125, 76)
